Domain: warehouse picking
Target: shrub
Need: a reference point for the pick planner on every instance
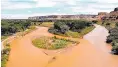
(52, 30)
(117, 24)
(59, 43)
(62, 26)
(94, 21)
(5, 55)
(113, 39)
(9, 27)
(115, 48)
(107, 23)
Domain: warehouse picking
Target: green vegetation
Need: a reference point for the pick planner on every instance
(72, 28)
(95, 21)
(87, 30)
(113, 37)
(71, 34)
(9, 27)
(78, 34)
(3, 37)
(51, 42)
(47, 24)
(109, 25)
(21, 27)
(5, 55)
(115, 48)
(29, 29)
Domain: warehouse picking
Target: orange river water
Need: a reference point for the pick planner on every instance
(92, 51)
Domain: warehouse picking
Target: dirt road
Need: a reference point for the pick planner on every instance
(86, 54)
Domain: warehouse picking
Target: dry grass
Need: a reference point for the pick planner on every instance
(47, 24)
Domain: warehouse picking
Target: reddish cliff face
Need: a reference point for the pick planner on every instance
(58, 17)
(113, 15)
(101, 15)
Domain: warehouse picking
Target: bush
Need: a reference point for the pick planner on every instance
(62, 26)
(59, 43)
(117, 24)
(113, 34)
(113, 39)
(9, 27)
(64, 29)
(94, 21)
(109, 39)
(115, 48)
(5, 55)
(107, 23)
(52, 30)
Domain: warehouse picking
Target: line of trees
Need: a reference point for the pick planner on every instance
(9, 27)
(62, 26)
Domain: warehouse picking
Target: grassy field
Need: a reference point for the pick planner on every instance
(47, 24)
(52, 42)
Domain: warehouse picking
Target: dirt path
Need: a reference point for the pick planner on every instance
(24, 54)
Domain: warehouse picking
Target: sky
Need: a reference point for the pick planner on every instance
(22, 9)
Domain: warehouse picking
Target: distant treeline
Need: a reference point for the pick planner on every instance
(10, 26)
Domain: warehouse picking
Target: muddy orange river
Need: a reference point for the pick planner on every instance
(91, 52)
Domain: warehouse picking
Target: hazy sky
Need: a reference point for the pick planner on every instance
(26, 8)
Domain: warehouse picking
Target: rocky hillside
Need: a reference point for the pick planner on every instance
(112, 16)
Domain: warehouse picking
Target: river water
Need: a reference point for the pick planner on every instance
(92, 51)
(97, 38)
